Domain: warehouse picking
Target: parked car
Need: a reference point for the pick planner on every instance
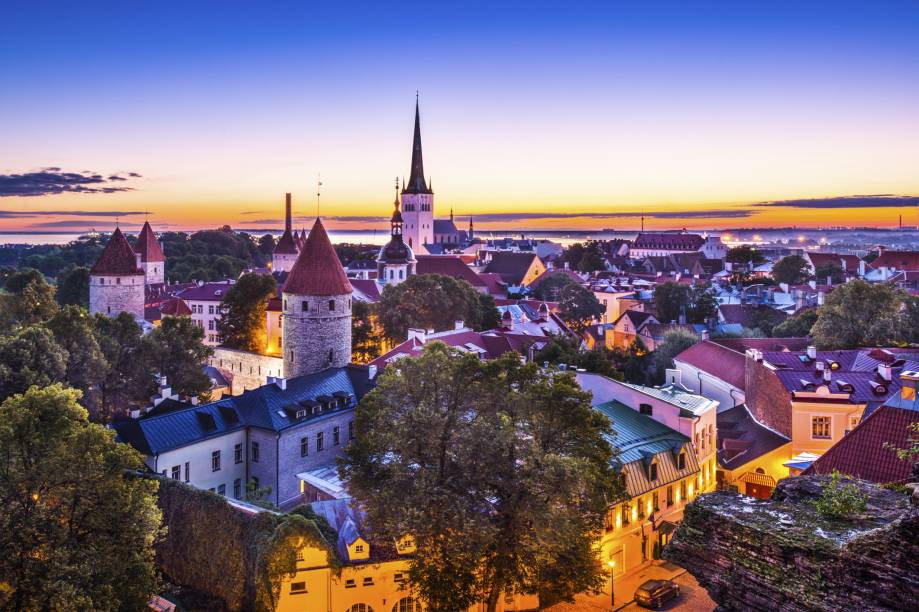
(654, 593)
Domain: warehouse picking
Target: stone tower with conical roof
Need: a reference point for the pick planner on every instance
(152, 260)
(417, 198)
(316, 308)
(116, 280)
(286, 250)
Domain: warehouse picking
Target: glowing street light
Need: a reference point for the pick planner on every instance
(612, 593)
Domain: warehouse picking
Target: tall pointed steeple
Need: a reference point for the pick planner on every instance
(416, 182)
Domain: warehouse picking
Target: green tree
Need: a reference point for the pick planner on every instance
(500, 471)
(702, 304)
(674, 343)
(561, 349)
(243, 324)
(858, 314)
(637, 363)
(180, 355)
(550, 286)
(584, 256)
(131, 377)
(73, 287)
(30, 357)
(76, 532)
(74, 331)
(797, 326)
(17, 281)
(432, 301)
(909, 319)
(578, 306)
(792, 269)
(831, 271)
(671, 300)
(745, 255)
(266, 245)
(365, 343)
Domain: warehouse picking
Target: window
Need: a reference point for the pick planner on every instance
(646, 409)
(215, 461)
(626, 513)
(237, 488)
(298, 587)
(358, 607)
(652, 472)
(255, 452)
(350, 584)
(187, 471)
(210, 325)
(821, 428)
(335, 435)
(305, 305)
(210, 309)
(655, 501)
(176, 471)
(398, 577)
(406, 604)
(359, 548)
(681, 462)
(304, 447)
(222, 490)
(368, 580)
(299, 555)
(670, 495)
(350, 430)
(683, 490)
(331, 305)
(238, 453)
(318, 441)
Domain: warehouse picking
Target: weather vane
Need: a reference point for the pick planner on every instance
(318, 191)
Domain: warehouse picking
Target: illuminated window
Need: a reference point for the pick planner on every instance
(821, 428)
(298, 587)
(407, 604)
(358, 607)
(368, 581)
(681, 462)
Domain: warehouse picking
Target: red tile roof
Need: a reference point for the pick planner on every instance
(901, 260)
(821, 259)
(668, 241)
(763, 344)
(117, 258)
(448, 265)
(493, 282)
(147, 245)
(175, 307)
(561, 271)
(206, 292)
(494, 343)
(745, 314)
(719, 361)
(510, 265)
(317, 270)
(863, 452)
(286, 245)
(368, 287)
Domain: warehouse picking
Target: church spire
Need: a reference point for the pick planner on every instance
(416, 182)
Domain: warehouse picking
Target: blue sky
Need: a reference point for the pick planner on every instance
(526, 107)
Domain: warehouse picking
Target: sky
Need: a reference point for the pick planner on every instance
(534, 115)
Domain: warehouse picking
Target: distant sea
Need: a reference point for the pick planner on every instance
(380, 236)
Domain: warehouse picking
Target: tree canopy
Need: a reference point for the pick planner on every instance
(73, 287)
(796, 326)
(550, 285)
(365, 340)
(433, 301)
(584, 256)
(830, 271)
(792, 269)
(744, 254)
(675, 342)
(499, 471)
(578, 306)
(75, 530)
(673, 299)
(243, 323)
(858, 314)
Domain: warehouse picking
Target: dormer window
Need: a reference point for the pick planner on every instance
(301, 413)
(681, 462)
(652, 472)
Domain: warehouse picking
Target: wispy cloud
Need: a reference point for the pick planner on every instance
(34, 214)
(52, 180)
(881, 200)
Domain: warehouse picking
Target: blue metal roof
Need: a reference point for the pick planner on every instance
(263, 407)
(637, 435)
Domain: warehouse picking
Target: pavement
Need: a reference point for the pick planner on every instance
(693, 598)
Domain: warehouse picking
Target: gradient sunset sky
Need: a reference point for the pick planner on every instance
(534, 115)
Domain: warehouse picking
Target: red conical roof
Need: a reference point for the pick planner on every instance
(117, 258)
(148, 246)
(317, 270)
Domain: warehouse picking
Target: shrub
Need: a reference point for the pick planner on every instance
(840, 501)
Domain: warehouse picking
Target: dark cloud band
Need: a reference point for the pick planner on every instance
(51, 181)
(883, 200)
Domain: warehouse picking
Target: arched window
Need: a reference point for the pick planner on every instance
(359, 607)
(760, 471)
(407, 604)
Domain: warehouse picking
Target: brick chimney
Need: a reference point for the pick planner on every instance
(287, 215)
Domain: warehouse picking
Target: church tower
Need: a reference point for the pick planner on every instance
(316, 309)
(116, 280)
(285, 251)
(417, 198)
(396, 261)
(152, 260)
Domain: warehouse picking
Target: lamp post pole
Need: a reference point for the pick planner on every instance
(612, 591)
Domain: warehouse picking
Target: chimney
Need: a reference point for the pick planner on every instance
(886, 372)
(371, 372)
(507, 320)
(417, 333)
(827, 375)
(811, 352)
(820, 366)
(674, 377)
(459, 324)
(821, 298)
(908, 382)
(287, 215)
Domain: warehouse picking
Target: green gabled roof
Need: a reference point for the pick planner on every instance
(637, 435)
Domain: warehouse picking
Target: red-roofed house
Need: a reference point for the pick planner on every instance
(847, 263)
(515, 269)
(867, 452)
(452, 266)
(889, 263)
(713, 371)
(206, 301)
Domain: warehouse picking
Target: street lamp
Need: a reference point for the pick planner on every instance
(612, 592)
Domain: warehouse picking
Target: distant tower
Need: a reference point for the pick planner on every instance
(285, 251)
(470, 229)
(152, 260)
(396, 261)
(417, 197)
(317, 309)
(116, 280)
